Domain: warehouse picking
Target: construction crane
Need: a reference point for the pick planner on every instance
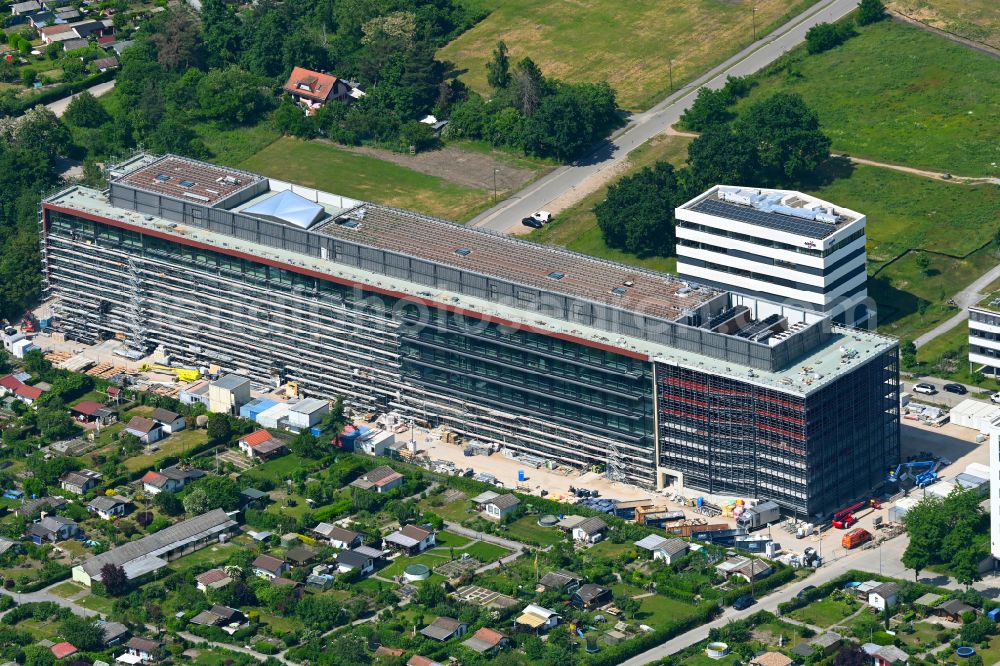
(183, 374)
(845, 517)
(926, 475)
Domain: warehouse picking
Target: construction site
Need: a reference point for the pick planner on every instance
(583, 364)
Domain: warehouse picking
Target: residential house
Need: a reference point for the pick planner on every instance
(827, 643)
(80, 482)
(382, 479)
(68, 14)
(228, 619)
(297, 587)
(10, 546)
(486, 641)
(63, 650)
(262, 445)
(213, 579)
(563, 581)
(270, 567)
(8, 383)
(338, 537)
(147, 430)
(170, 479)
(953, 610)
(590, 530)
(771, 659)
(501, 506)
(591, 596)
(312, 90)
(883, 596)
(22, 8)
(104, 64)
(146, 650)
(537, 619)
(90, 411)
(745, 568)
(420, 660)
(115, 394)
(444, 629)
(153, 551)
(171, 422)
(411, 539)
(51, 529)
(300, 555)
(107, 507)
(318, 582)
(41, 19)
(482, 498)
(33, 508)
(889, 655)
(112, 633)
(351, 560)
(227, 394)
(28, 394)
(662, 548)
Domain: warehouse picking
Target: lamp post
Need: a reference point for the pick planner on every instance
(753, 14)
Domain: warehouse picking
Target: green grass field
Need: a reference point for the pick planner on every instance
(327, 167)
(628, 44)
(485, 552)
(174, 445)
(930, 104)
(528, 528)
(825, 612)
(977, 20)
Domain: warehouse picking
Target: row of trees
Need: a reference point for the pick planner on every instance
(538, 115)
(776, 142)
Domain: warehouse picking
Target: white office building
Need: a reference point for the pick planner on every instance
(776, 245)
(984, 335)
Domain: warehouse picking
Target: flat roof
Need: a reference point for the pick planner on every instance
(530, 264)
(991, 302)
(190, 180)
(844, 350)
(781, 210)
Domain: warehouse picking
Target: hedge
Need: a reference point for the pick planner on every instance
(609, 656)
(34, 586)
(783, 575)
(62, 90)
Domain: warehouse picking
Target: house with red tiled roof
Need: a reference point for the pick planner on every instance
(28, 394)
(314, 89)
(8, 384)
(486, 641)
(261, 444)
(63, 650)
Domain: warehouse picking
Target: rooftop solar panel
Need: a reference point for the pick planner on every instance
(777, 221)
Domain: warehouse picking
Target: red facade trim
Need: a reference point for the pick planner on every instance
(349, 283)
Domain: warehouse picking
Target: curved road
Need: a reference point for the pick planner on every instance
(642, 127)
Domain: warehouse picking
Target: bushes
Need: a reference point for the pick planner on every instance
(783, 575)
(825, 36)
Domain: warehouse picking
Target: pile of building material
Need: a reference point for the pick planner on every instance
(57, 357)
(106, 370)
(77, 363)
(928, 414)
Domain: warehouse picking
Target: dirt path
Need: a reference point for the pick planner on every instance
(936, 175)
(463, 167)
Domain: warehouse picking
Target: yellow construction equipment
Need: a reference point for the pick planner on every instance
(183, 374)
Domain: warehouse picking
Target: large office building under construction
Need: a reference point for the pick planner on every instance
(549, 353)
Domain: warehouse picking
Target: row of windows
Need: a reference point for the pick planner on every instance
(768, 242)
(850, 257)
(783, 282)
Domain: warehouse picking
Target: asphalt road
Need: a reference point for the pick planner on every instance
(59, 106)
(971, 295)
(644, 126)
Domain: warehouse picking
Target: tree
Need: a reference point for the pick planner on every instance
(114, 579)
(169, 504)
(221, 492)
(825, 36)
(82, 633)
(219, 428)
(965, 566)
(850, 655)
(221, 31)
(784, 137)
(870, 11)
(923, 262)
(529, 86)
(231, 95)
(498, 69)
(40, 129)
(55, 423)
(196, 502)
(710, 107)
(638, 213)
(36, 655)
(178, 42)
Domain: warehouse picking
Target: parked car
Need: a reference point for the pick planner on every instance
(804, 591)
(995, 398)
(531, 222)
(955, 388)
(542, 216)
(744, 602)
(925, 388)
